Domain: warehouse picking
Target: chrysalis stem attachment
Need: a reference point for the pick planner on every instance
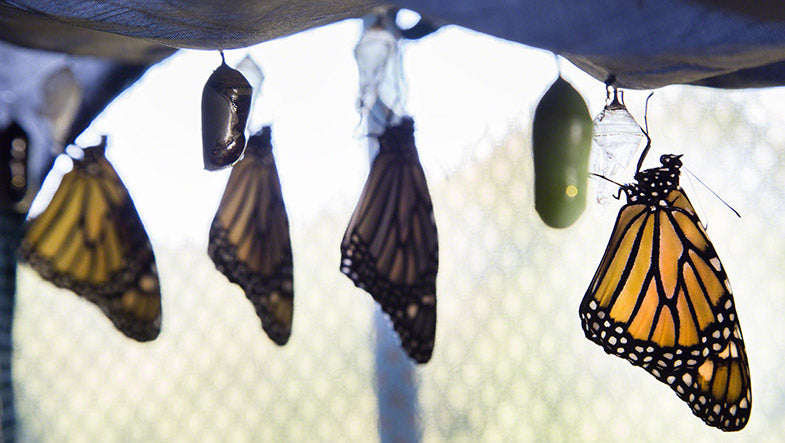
(422, 28)
(618, 99)
(610, 81)
(712, 191)
(223, 59)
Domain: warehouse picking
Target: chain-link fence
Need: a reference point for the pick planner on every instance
(510, 363)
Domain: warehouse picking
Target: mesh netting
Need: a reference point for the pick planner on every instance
(511, 362)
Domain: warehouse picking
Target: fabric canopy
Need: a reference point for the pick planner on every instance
(643, 43)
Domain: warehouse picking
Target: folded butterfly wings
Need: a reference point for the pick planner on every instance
(249, 237)
(664, 290)
(90, 240)
(661, 299)
(390, 248)
(718, 391)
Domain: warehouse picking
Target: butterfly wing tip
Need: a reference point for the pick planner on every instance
(726, 426)
(422, 358)
(278, 337)
(143, 336)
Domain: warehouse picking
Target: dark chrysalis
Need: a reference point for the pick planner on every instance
(13, 164)
(561, 141)
(249, 237)
(226, 102)
(89, 239)
(390, 248)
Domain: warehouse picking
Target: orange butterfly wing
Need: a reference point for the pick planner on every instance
(90, 240)
(249, 238)
(390, 248)
(661, 300)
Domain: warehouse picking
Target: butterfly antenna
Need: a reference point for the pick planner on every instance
(645, 132)
(702, 215)
(606, 178)
(621, 186)
(712, 191)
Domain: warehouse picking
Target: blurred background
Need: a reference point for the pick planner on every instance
(510, 361)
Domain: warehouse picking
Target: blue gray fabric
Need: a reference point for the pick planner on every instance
(643, 43)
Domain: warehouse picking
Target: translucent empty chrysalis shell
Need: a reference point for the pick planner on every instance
(63, 97)
(617, 137)
(226, 102)
(376, 63)
(254, 74)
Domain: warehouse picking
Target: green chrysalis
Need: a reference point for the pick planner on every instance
(561, 138)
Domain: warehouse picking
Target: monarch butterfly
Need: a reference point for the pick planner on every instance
(390, 248)
(226, 102)
(90, 240)
(661, 300)
(249, 237)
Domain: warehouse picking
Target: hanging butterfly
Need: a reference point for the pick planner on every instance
(14, 145)
(90, 240)
(249, 237)
(226, 102)
(390, 248)
(661, 300)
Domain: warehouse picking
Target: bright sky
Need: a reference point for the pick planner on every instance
(465, 91)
